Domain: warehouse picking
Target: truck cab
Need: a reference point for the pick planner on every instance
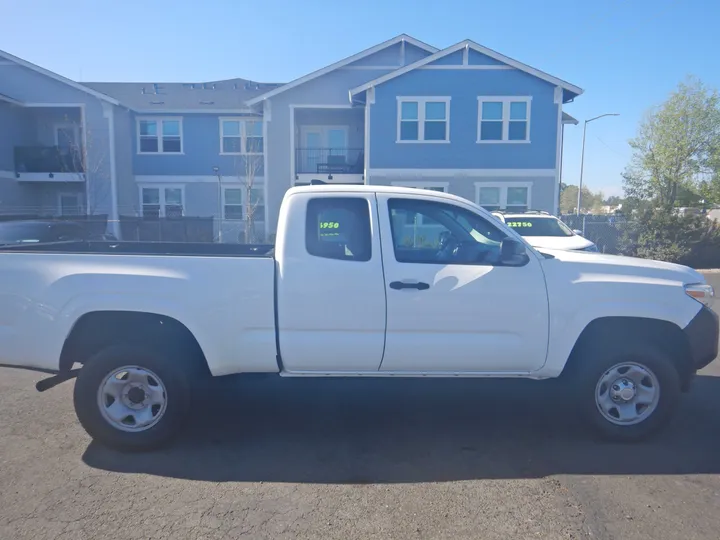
(401, 278)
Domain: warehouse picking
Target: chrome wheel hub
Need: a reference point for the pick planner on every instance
(132, 398)
(627, 393)
(623, 390)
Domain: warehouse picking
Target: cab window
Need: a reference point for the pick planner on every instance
(339, 228)
(437, 233)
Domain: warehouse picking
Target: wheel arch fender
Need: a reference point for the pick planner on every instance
(618, 333)
(92, 320)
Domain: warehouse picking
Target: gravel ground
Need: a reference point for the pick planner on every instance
(278, 458)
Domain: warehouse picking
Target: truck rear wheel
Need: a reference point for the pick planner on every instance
(132, 397)
(629, 395)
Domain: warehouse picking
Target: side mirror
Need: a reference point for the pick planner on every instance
(578, 232)
(513, 253)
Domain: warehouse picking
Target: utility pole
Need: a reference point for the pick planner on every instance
(582, 157)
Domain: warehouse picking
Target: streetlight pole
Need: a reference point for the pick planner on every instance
(216, 170)
(582, 157)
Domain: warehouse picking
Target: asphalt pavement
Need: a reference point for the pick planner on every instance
(265, 457)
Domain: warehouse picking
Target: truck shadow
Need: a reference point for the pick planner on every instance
(386, 431)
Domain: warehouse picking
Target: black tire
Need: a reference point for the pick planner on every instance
(595, 364)
(173, 373)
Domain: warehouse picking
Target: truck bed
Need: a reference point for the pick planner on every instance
(146, 248)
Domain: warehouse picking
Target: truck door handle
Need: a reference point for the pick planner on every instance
(397, 285)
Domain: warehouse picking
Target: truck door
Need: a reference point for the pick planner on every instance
(330, 283)
(450, 313)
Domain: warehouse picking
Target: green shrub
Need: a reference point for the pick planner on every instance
(665, 236)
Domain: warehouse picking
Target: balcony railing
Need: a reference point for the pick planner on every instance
(329, 160)
(48, 159)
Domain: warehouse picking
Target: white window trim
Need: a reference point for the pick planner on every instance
(243, 135)
(243, 191)
(161, 190)
(506, 100)
(503, 192)
(159, 120)
(421, 101)
(80, 201)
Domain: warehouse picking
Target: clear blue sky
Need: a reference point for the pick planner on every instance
(626, 54)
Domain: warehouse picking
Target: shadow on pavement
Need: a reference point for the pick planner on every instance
(418, 430)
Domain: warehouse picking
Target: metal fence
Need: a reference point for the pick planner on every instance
(329, 160)
(604, 231)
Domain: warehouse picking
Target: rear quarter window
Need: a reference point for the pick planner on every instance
(339, 228)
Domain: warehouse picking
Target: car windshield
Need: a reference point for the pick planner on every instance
(538, 226)
(23, 233)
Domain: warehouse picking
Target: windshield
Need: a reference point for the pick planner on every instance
(23, 233)
(538, 226)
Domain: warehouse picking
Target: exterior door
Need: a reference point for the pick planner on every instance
(450, 306)
(67, 136)
(330, 285)
(321, 142)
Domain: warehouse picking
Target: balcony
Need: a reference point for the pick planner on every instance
(329, 145)
(329, 161)
(48, 163)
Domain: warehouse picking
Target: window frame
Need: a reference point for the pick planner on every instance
(506, 101)
(422, 101)
(161, 198)
(243, 135)
(159, 120)
(503, 186)
(259, 217)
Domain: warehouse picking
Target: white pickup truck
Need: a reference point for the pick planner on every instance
(363, 281)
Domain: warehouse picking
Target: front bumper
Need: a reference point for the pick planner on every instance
(702, 334)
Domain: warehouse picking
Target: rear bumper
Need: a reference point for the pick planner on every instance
(702, 334)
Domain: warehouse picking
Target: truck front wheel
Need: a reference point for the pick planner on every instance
(131, 397)
(629, 395)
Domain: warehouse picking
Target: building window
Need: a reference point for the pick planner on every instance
(70, 204)
(509, 197)
(503, 119)
(159, 135)
(162, 201)
(489, 197)
(440, 187)
(234, 203)
(423, 119)
(238, 136)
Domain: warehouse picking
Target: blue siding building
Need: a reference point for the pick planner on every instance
(465, 119)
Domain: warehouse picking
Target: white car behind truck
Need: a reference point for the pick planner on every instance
(543, 230)
(363, 281)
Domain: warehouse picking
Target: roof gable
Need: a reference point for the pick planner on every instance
(470, 45)
(55, 76)
(343, 63)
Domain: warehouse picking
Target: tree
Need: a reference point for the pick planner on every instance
(677, 146)
(248, 172)
(88, 160)
(568, 200)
